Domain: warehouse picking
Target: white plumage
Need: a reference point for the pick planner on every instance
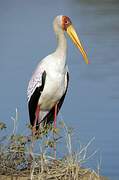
(47, 90)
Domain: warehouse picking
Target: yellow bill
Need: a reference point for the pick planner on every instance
(73, 35)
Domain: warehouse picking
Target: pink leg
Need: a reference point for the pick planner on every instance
(55, 119)
(55, 116)
(37, 117)
(34, 130)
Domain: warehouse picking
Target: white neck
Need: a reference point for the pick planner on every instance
(61, 49)
(62, 45)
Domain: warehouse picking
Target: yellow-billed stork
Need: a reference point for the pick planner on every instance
(48, 85)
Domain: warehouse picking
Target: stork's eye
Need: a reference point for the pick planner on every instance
(66, 22)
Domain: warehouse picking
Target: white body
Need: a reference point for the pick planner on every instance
(56, 75)
(55, 84)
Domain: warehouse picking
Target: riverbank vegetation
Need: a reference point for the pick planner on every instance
(18, 161)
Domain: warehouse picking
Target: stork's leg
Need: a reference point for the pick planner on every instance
(55, 116)
(55, 119)
(36, 119)
(34, 130)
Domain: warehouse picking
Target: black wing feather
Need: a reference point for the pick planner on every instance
(32, 104)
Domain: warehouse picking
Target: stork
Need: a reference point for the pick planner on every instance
(48, 85)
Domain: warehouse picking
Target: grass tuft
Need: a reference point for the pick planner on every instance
(16, 160)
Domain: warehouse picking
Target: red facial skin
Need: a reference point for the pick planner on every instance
(66, 22)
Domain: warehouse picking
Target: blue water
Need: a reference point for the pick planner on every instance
(92, 103)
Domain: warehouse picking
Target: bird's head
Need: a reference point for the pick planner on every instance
(63, 23)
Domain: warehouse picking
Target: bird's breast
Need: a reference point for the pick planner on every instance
(53, 90)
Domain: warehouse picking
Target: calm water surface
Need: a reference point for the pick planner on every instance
(92, 103)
